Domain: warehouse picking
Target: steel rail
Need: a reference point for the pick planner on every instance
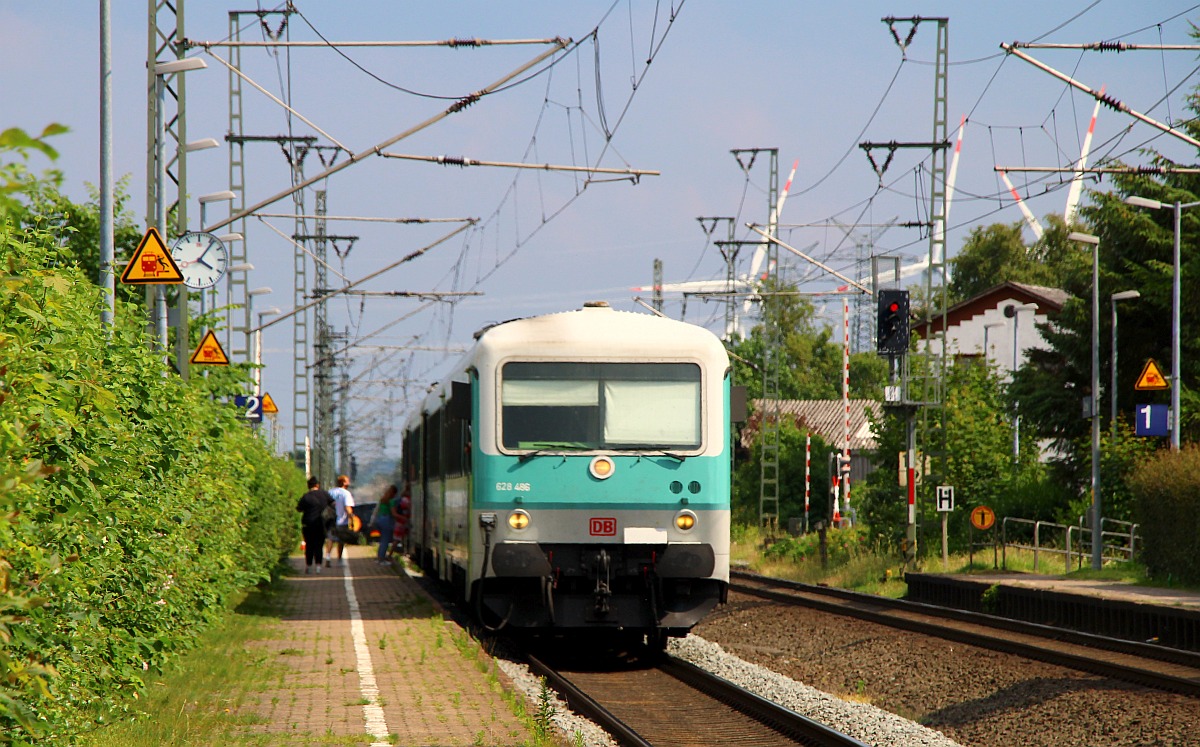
(789, 724)
(907, 616)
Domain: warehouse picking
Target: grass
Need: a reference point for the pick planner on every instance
(211, 697)
(200, 702)
(875, 570)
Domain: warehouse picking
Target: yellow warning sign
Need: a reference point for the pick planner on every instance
(210, 352)
(1152, 377)
(268, 405)
(151, 262)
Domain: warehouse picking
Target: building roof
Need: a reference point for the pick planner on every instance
(824, 417)
(1049, 300)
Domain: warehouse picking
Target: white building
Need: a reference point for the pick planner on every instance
(1004, 319)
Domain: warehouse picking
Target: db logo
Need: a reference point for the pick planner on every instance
(602, 527)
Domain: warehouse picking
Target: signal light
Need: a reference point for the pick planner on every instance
(891, 329)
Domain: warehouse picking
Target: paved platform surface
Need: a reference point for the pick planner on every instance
(372, 662)
(1123, 591)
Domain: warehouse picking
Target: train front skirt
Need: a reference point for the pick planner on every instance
(610, 586)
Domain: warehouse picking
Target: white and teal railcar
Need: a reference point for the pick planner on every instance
(574, 474)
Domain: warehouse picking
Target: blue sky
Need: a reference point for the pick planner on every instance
(812, 79)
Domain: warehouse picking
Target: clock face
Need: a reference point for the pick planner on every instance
(201, 257)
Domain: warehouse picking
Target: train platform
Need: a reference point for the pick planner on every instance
(1100, 606)
(374, 661)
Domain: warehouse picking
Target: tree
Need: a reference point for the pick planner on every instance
(810, 367)
(997, 254)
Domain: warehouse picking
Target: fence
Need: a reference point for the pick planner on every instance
(1119, 539)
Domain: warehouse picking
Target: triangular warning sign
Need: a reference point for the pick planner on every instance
(1151, 377)
(268, 405)
(151, 262)
(210, 352)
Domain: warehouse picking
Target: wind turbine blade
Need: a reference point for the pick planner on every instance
(951, 178)
(1076, 190)
(1029, 217)
(760, 251)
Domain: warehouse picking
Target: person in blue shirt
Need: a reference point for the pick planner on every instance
(344, 501)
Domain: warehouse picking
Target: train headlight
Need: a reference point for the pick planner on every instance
(685, 520)
(601, 468)
(518, 519)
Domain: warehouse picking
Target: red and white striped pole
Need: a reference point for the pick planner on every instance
(845, 462)
(807, 476)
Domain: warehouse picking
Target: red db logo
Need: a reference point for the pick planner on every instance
(602, 527)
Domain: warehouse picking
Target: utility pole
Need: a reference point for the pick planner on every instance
(164, 34)
(920, 388)
(768, 490)
(323, 438)
(658, 298)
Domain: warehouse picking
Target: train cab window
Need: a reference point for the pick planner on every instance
(584, 406)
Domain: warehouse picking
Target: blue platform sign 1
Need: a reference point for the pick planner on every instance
(251, 407)
(1151, 420)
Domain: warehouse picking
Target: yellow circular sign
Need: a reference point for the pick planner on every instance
(982, 518)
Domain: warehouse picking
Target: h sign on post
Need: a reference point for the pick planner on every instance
(945, 497)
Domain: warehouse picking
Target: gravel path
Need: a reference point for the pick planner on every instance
(891, 688)
(975, 697)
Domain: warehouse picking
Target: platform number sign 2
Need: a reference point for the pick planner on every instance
(251, 406)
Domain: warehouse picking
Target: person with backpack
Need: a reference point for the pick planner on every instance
(314, 506)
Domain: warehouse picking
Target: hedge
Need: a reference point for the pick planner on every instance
(134, 506)
(1166, 491)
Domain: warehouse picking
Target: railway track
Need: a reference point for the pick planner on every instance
(671, 702)
(1167, 669)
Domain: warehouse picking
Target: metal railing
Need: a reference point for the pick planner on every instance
(1121, 542)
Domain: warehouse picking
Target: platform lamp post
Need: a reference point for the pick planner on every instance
(1128, 295)
(182, 335)
(258, 342)
(1178, 207)
(240, 267)
(250, 294)
(986, 327)
(1013, 311)
(161, 70)
(1094, 410)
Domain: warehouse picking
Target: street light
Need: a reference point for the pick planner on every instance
(1128, 295)
(240, 267)
(258, 347)
(250, 294)
(986, 327)
(201, 144)
(1094, 411)
(161, 70)
(1012, 311)
(223, 196)
(1175, 367)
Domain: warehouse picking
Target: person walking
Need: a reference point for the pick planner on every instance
(401, 508)
(312, 506)
(343, 500)
(386, 524)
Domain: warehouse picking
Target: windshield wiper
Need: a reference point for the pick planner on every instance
(672, 455)
(549, 448)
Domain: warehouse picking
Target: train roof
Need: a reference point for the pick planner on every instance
(593, 332)
(588, 331)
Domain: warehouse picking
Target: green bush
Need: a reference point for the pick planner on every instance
(1166, 490)
(132, 506)
(842, 545)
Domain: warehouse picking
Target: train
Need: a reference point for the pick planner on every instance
(572, 475)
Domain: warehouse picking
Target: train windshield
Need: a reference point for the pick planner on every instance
(580, 406)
